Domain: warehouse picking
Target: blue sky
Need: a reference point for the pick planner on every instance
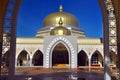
(33, 12)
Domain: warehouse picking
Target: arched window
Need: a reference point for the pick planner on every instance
(94, 59)
(23, 59)
(38, 58)
(97, 59)
(82, 59)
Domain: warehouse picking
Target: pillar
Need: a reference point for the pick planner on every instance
(89, 63)
(30, 62)
(117, 12)
(46, 60)
(13, 41)
(16, 62)
(107, 73)
(3, 6)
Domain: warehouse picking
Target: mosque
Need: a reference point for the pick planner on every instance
(60, 43)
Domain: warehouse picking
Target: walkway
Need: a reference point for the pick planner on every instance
(62, 74)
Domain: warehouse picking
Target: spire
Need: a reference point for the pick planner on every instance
(60, 22)
(61, 8)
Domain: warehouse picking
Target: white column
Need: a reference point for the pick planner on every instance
(47, 61)
(16, 62)
(73, 61)
(30, 62)
(89, 63)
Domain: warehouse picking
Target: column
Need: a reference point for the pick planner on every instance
(107, 73)
(30, 62)
(73, 61)
(16, 62)
(89, 63)
(13, 41)
(47, 63)
(1, 43)
(118, 35)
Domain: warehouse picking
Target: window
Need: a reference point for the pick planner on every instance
(94, 59)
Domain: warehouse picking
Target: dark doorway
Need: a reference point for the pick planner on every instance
(82, 59)
(60, 56)
(38, 58)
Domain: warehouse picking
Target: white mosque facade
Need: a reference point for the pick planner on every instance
(60, 43)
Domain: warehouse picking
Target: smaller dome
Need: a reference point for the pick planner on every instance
(60, 30)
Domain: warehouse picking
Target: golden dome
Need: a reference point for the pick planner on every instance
(53, 19)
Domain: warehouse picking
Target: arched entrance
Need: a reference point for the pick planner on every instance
(60, 56)
(82, 59)
(37, 58)
(53, 42)
(23, 59)
(97, 59)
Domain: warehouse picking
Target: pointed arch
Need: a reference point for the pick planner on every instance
(69, 46)
(84, 51)
(97, 59)
(82, 58)
(97, 50)
(24, 49)
(37, 59)
(35, 51)
(60, 55)
(23, 58)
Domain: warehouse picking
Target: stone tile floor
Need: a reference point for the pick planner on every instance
(58, 74)
(68, 76)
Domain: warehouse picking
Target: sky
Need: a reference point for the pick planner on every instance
(33, 12)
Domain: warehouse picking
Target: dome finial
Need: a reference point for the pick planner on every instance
(61, 8)
(60, 22)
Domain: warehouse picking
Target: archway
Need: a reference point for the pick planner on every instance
(60, 56)
(82, 59)
(13, 40)
(97, 59)
(37, 58)
(23, 59)
(51, 45)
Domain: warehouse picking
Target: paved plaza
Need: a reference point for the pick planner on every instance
(62, 74)
(57, 74)
(70, 76)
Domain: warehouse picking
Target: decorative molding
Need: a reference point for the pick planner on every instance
(52, 43)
